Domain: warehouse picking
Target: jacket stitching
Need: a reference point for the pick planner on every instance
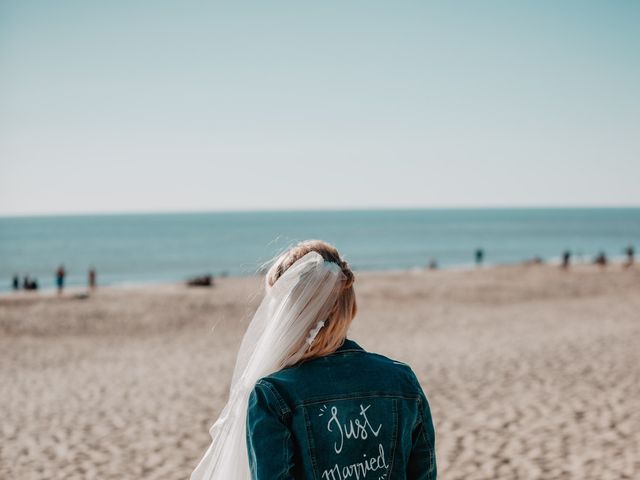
(427, 440)
(394, 435)
(282, 406)
(285, 450)
(312, 446)
(420, 416)
(346, 350)
(329, 398)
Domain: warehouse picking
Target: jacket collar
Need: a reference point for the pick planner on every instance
(349, 346)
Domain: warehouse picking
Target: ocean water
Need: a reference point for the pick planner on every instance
(171, 247)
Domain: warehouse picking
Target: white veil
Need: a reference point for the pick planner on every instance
(282, 329)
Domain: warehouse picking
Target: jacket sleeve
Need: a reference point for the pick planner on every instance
(422, 461)
(269, 441)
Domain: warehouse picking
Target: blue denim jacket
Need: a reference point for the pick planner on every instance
(348, 415)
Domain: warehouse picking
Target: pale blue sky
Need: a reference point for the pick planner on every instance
(160, 106)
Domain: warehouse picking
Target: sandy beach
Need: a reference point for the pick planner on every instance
(532, 372)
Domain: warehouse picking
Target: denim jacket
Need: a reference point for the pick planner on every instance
(348, 415)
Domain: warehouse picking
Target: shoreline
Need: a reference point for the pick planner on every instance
(614, 262)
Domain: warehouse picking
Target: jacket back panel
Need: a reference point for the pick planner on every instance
(352, 415)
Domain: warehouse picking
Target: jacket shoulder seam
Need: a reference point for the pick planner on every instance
(282, 405)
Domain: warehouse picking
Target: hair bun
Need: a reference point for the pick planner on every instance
(348, 273)
(290, 256)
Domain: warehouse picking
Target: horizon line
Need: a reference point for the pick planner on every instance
(313, 209)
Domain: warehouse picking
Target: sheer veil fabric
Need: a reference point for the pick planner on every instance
(277, 337)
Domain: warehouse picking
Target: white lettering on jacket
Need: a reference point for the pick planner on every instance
(359, 428)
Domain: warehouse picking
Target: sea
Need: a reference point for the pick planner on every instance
(171, 247)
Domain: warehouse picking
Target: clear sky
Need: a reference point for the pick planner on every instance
(160, 106)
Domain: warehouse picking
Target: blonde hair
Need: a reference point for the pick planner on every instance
(332, 335)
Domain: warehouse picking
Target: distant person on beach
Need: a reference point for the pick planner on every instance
(537, 260)
(433, 264)
(566, 259)
(479, 256)
(630, 252)
(201, 281)
(92, 278)
(601, 259)
(299, 381)
(16, 282)
(60, 274)
(29, 283)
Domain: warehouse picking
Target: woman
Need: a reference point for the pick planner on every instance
(308, 403)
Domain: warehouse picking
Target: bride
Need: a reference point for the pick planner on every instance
(308, 403)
